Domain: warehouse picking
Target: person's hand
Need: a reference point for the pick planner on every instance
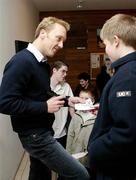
(95, 110)
(55, 103)
(73, 100)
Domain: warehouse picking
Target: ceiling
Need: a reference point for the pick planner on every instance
(71, 5)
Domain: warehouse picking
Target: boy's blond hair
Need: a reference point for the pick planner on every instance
(121, 25)
(48, 22)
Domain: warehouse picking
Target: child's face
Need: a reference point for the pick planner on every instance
(86, 95)
(111, 50)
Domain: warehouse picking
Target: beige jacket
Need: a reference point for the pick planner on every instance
(78, 133)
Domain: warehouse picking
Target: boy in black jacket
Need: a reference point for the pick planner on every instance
(112, 145)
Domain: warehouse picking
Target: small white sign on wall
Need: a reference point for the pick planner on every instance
(95, 60)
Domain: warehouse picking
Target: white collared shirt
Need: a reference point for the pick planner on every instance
(61, 115)
(36, 52)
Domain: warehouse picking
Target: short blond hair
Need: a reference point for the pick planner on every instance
(48, 22)
(121, 25)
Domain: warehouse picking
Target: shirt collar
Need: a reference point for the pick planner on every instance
(36, 53)
(58, 87)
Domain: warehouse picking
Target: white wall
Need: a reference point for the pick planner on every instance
(18, 20)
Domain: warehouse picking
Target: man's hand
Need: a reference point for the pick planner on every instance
(73, 100)
(55, 103)
(95, 110)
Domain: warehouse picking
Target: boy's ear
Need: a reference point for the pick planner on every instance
(54, 70)
(116, 40)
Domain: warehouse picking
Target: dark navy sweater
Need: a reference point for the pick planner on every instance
(24, 92)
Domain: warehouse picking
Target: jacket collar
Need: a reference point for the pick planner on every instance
(128, 58)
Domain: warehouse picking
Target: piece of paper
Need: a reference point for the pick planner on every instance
(83, 107)
(95, 60)
(88, 105)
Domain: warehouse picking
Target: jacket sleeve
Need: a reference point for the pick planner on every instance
(70, 136)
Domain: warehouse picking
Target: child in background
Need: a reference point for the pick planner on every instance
(80, 128)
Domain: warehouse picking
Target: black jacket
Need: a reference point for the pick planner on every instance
(112, 144)
(101, 79)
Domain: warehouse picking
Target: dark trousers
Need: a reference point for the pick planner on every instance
(62, 141)
(41, 145)
(38, 170)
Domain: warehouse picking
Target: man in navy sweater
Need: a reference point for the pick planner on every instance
(25, 95)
